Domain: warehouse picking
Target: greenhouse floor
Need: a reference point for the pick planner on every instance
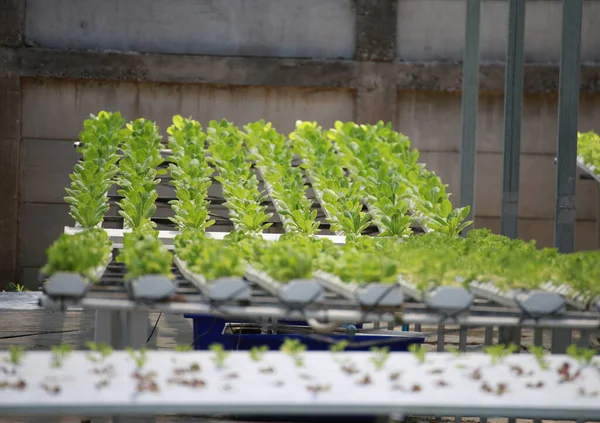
(40, 329)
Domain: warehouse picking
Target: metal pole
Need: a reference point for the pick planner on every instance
(470, 93)
(598, 215)
(513, 104)
(568, 108)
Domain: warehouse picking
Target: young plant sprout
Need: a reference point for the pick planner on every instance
(418, 352)
(139, 357)
(454, 351)
(257, 353)
(15, 355)
(101, 350)
(294, 348)
(220, 355)
(499, 352)
(539, 354)
(183, 347)
(584, 356)
(59, 353)
(337, 348)
(379, 357)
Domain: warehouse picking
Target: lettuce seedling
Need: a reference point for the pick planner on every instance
(91, 179)
(219, 355)
(379, 357)
(257, 353)
(294, 348)
(499, 352)
(539, 354)
(59, 353)
(144, 254)
(81, 253)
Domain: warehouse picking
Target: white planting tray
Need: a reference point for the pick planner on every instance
(276, 386)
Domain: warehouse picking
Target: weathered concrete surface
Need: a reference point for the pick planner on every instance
(248, 71)
(435, 30)
(187, 69)
(376, 95)
(376, 30)
(285, 28)
(10, 137)
(11, 22)
(447, 76)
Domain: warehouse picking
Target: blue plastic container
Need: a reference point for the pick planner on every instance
(210, 329)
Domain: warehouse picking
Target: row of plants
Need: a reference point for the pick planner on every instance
(426, 260)
(588, 149)
(190, 374)
(273, 154)
(341, 197)
(89, 251)
(240, 185)
(143, 253)
(399, 190)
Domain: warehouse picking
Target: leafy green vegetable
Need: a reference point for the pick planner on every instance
(190, 175)
(80, 253)
(141, 156)
(210, 258)
(341, 197)
(273, 155)
(92, 178)
(144, 254)
(588, 148)
(240, 185)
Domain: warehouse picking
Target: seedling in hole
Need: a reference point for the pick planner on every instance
(442, 383)
(51, 389)
(15, 355)
(317, 389)
(220, 355)
(294, 348)
(349, 368)
(499, 352)
(139, 357)
(500, 389)
(268, 369)
(584, 356)
(194, 367)
(18, 385)
(476, 374)
(146, 382)
(102, 351)
(379, 357)
(436, 371)
(192, 383)
(454, 351)
(565, 373)
(540, 356)
(418, 352)
(395, 376)
(257, 353)
(415, 388)
(537, 385)
(338, 348)
(59, 353)
(365, 380)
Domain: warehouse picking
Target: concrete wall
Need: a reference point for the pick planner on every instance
(435, 30)
(282, 28)
(279, 60)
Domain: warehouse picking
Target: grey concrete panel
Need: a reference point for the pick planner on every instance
(283, 28)
(434, 30)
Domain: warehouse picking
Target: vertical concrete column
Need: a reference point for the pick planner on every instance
(11, 37)
(376, 53)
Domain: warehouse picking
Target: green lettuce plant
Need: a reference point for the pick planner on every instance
(144, 254)
(273, 154)
(239, 182)
(190, 175)
(82, 253)
(138, 170)
(91, 179)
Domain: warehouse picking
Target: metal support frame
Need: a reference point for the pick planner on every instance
(470, 94)
(568, 99)
(513, 105)
(121, 328)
